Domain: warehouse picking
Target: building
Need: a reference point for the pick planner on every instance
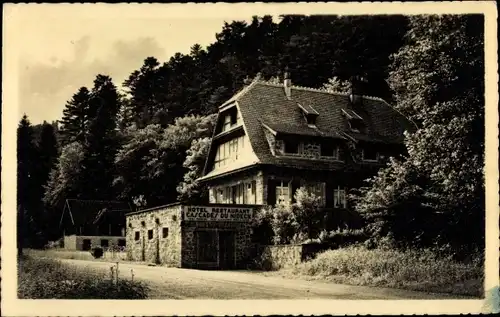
(272, 139)
(89, 223)
(209, 237)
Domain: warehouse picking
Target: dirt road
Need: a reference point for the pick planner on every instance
(175, 283)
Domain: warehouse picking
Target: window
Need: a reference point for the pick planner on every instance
(311, 119)
(143, 223)
(104, 243)
(330, 150)
(219, 197)
(283, 193)
(86, 245)
(370, 154)
(238, 194)
(229, 151)
(121, 242)
(227, 195)
(137, 235)
(339, 200)
(164, 232)
(317, 189)
(227, 123)
(150, 234)
(291, 147)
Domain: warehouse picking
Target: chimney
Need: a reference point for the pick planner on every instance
(287, 84)
(357, 89)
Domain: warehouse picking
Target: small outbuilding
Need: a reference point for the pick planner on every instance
(89, 223)
(217, 236)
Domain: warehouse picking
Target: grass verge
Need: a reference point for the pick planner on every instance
(420, 270)
(40, 278)
(75, 255)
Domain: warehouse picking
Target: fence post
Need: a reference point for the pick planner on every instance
(111, 268)
(117, 273)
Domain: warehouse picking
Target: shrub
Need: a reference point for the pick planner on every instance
(423, 270)
(291, 223)
(51, 279)
(97, 252)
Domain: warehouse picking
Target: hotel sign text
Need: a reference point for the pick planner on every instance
(205, 213)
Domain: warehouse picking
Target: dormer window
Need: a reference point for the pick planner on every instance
(231, 119)
(311, 120)
(310, 114)
(355, 121)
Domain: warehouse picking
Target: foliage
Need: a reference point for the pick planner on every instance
(342, 237)
(51, 279)
(335, 84)
(37, 152)
(189, 189)
(436, 194)
(423, 270)
(64, 179)
(149, 161)
(74, 122)
(294, 223)
(97, 252)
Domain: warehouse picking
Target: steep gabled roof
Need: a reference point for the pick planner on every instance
(265, 104)
(265, 107)
(91, 212)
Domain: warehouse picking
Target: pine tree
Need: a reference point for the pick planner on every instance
(74, 123)
(26, 181)
(47, 152)
(101, 143)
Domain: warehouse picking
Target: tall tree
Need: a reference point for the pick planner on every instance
(74, 123)
(102, 139)
(26, 181)
(47, 152)
(439, 81)
(150, 161)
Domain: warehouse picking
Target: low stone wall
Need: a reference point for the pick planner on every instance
(275, 257)
(115, 256)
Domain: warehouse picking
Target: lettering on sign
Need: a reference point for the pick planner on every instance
(205, 213)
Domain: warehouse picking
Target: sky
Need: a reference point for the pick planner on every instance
(59, 53)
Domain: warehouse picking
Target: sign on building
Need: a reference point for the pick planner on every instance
(206, 213)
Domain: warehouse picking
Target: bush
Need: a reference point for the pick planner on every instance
(97, 252)
(423, 270)
(51, 279)
(291, 223)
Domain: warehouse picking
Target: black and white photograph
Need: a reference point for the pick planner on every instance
(258, 153)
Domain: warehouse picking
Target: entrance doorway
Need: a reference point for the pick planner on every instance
(226, 249)
(206, 249)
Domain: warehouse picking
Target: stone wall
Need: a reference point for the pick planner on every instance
(275, 257)
(242, 245)
(153, 247)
